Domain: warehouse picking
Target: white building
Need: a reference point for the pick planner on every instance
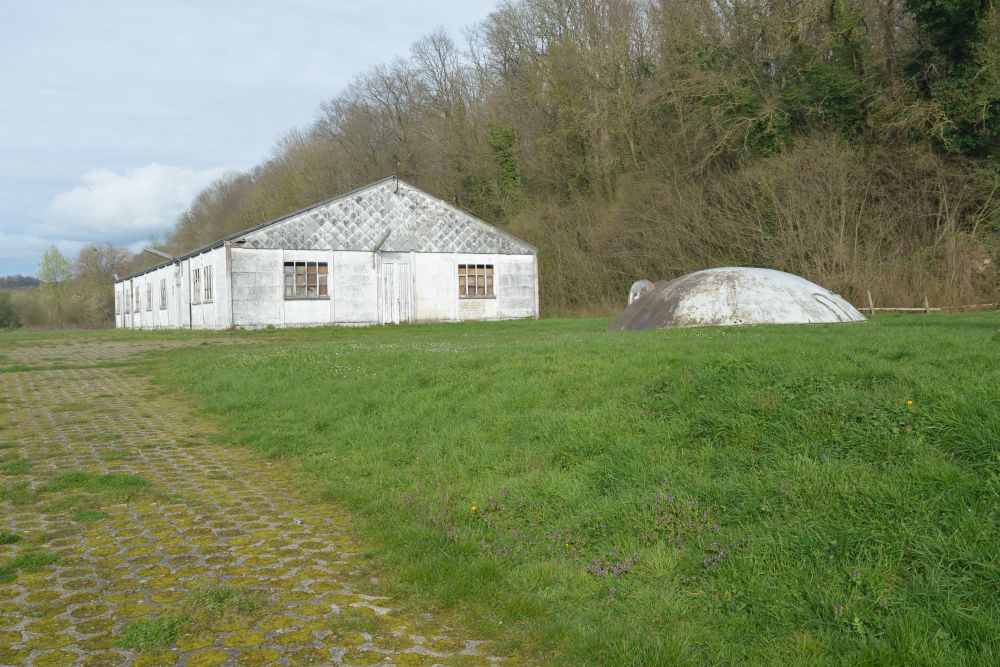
(385, 253)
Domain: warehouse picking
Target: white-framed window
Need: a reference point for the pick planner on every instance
(306, 280)
(475, 281)
(196, 286)
(163, 293)
(207, 271)
(136, 297)
(149, 296)
(118, 303)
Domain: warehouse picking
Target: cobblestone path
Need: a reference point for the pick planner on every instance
(213, 551)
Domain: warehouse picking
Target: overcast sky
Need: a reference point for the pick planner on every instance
(115, 113)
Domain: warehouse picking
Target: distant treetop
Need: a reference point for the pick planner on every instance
(16, 281)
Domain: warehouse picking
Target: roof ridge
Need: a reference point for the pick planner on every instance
(325, 202)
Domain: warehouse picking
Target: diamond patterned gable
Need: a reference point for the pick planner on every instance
(414, 220)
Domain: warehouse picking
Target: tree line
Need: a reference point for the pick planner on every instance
(66, 293)
(854, 142)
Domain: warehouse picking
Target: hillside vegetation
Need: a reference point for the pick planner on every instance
(855, 142)
(794, 495)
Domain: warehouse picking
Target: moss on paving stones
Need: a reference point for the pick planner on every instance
(133, 537)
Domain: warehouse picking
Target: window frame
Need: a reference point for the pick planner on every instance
(149, 297)
(163, 293)
(483, 275)
(305, 275)
(196, 285)
(206, 276)
(137, 299)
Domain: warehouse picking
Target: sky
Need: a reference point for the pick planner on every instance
(114, 114)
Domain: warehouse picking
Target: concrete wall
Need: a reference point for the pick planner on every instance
(180, 310)
(257, 297)
(354, 287)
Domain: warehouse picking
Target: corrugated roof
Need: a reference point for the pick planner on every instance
(412, 218)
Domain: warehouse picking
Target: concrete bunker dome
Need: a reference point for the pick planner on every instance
(730, 296)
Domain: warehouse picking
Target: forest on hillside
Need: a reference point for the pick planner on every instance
(854, 142)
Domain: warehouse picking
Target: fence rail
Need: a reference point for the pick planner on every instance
(871, 309)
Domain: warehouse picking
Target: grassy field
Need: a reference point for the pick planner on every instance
(802, 495)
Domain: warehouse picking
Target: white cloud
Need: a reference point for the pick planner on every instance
(124, 207)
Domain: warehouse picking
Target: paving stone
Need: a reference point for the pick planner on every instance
(215, 517)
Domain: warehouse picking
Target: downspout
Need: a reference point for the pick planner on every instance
(190, 298)
(378, 246)
(229, 282)
(538, 306)
(378, 278)
(160, 253)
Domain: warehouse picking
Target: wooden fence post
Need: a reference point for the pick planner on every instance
(927, 305)
(871, 304)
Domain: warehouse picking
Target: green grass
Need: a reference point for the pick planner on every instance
(114, 486)
(18, 494)
(200, 610)
(9, 538)
(89, 516)
(113, 455)
(752, 495)
(29, 561)
(205, 607)
(78, 491)
(151, 634)
(72, 406)
(219, 600)
(17, 466)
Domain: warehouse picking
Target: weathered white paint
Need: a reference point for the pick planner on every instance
(638, 288)
(400, 287)
(396, 289)
(408, 274)
(733, 296)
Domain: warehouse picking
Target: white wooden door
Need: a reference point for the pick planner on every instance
(397, 302)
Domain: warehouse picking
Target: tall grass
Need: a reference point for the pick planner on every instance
(809, 494)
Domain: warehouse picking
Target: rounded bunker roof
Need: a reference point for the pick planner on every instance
(735, 295)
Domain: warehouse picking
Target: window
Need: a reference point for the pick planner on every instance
(475, 281)
(306, 280)
(196, 286)
(149, 296)
(163, 293)
(135, 296)
(118, 303)
(208, 283)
